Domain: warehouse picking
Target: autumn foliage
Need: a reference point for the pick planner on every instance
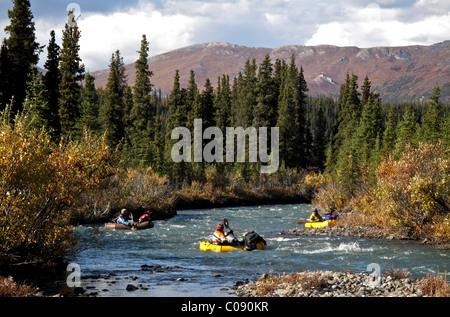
(409, 197)
(414, 192)
(39, 181)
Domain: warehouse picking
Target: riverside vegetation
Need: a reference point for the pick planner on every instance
(394, 283)
(72, 153)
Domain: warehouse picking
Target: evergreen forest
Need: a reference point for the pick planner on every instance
(71, 152)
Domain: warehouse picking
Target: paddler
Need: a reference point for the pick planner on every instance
(125, 218)
(315, 217)
(331, 215)
(220, 236)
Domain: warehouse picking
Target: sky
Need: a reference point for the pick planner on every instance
(110, 25)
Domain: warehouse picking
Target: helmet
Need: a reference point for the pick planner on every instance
(123, 211)
(220, 226)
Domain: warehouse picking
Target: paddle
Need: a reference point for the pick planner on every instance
(225, 222)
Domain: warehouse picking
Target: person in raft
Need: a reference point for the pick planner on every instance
(315, 217)
(125, 218)
(144, 217)
(331, 215)
(220, 236)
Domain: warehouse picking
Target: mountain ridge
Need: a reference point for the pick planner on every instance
(398, 73)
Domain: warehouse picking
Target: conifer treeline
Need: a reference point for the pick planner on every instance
(347, 136)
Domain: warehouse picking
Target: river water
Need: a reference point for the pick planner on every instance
(115, 258)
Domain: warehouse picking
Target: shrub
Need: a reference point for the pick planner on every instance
(269, 283)
(435, 286)
(414, 189)
(39, 182)
(330, 197)
(10, 288)
(397, 274)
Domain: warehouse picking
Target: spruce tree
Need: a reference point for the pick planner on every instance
(341, 120)
(158, 146)
(406, 131)
(265, 111)
(303, 124)
(319, 144)
(365, 88)
(294, 146)
(141, 115)
(191, 100)
(128, 103)
(346, 139)
(36, 103)
(329, 161)
(286, 118)
(52, 79)
(349, 114)
(235, 102)
(279, 69)
(368, 131)
(176, 117)
(23, 51)
(389, 133)
(308, 142)
(89, 107)
(223, 103)
(127, 154)
(246, 95)
(204, 108)
(5, 73)
(432, 123)
(72, 72)
(446, 131)
(112, 111)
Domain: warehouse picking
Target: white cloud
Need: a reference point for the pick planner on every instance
(104, 34)
(375, 26)
(171, 24)
(175, 25)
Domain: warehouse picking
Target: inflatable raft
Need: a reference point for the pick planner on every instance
(323, 224)
(137, 226)
(206, 245)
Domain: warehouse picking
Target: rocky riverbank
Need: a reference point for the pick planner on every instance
(104, 284)
(344, 284)
(330, 284)
(368, 232)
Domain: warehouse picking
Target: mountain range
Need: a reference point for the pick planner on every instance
(398, 74)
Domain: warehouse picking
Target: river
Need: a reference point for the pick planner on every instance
(116, 257)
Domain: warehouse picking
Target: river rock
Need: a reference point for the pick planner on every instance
(131, 287)
(338, 284)
(79, 290)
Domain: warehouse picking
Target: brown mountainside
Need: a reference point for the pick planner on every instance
(407, 73)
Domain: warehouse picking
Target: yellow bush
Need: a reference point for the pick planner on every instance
(329, 197)
(39, 181)
(416, 188)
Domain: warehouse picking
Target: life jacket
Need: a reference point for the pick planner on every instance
(331, 217)
(144, 217)
(125, 219)
(251, 239)
(315, 218)
(219, 236)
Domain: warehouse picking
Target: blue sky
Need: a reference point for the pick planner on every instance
(169, 24)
